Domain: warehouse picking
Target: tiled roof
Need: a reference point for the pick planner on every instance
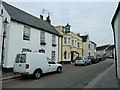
(25, 18)
(116, 14)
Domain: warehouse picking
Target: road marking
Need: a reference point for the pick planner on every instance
(94, 81)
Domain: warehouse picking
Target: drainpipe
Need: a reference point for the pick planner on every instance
(3, 42)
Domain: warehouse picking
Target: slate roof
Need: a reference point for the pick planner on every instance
(111, 47)
(84, 38)
(102, 47)
(25, 18)
(115, 15)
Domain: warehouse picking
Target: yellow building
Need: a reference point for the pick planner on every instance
(71, 44)
(93, 48)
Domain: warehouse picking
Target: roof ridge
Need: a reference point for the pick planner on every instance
(21, 10)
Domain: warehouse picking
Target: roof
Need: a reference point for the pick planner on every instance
(93, 42)
(111, 47)
(115, 15)
(102, 47)
(25, 18)
(84, 38)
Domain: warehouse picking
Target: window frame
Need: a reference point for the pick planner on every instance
(26, 34)
(53, 55)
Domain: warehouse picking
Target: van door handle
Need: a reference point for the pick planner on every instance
(20, 65)
(49, 65)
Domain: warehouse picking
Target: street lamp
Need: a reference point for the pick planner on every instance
(4, 36)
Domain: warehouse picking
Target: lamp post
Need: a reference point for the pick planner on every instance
(3, 41)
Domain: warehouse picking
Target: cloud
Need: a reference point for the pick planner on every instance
(84, 17)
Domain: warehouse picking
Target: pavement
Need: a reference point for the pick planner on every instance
(107, 79)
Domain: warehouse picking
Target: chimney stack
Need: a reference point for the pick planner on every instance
(41, 17)
(48, 20)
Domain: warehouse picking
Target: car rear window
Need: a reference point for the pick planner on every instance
(90, 57)
(79, 58)
(20, 58)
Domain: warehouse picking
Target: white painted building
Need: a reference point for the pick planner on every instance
(116, 30)
(0, 37)
(25, 32)
(0, 33)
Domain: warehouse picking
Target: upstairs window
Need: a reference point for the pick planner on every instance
(53, 55)
(65, 40)
(72, 42)
(78, 45)
(26, 33)
(42, 38)
(68, 41)
(53, 40)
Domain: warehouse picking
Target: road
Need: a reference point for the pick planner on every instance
(71, 77)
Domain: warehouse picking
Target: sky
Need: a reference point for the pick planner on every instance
(93, 17)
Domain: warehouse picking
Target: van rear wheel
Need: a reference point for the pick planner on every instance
(37, 74)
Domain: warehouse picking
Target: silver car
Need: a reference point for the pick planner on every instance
(82, 61)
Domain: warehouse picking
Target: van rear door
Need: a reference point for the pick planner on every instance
(20, 63)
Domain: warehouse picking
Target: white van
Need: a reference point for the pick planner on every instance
(30, 63)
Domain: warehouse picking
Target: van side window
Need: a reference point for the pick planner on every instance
(17, 58)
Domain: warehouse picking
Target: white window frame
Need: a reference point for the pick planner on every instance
(53, 55)
(26, 33)
(42, 36)
(65, 40)
(68, 41)
(53, 39)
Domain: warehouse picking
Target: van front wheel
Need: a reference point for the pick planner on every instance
(37, 74)
(59, 69)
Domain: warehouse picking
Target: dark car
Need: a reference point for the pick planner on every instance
(93, 59)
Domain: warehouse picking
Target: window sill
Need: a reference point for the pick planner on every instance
(43, 43)
(54, 45)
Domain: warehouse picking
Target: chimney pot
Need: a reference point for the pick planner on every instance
(41, 17)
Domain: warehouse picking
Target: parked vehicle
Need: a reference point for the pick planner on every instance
(93, 59)
(82, 61)
(35, 64)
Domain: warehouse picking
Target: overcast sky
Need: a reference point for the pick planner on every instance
(93, 18)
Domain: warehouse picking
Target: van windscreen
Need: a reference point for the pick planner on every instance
(20, 58)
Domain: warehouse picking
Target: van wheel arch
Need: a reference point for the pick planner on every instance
(59, 69)
(37, 73)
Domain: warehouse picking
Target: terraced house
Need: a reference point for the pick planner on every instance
(0, 36)
(27, 33)
(71, 44)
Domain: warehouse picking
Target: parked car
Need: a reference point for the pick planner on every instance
(82, 61)
(93, 59)
(35, 64)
